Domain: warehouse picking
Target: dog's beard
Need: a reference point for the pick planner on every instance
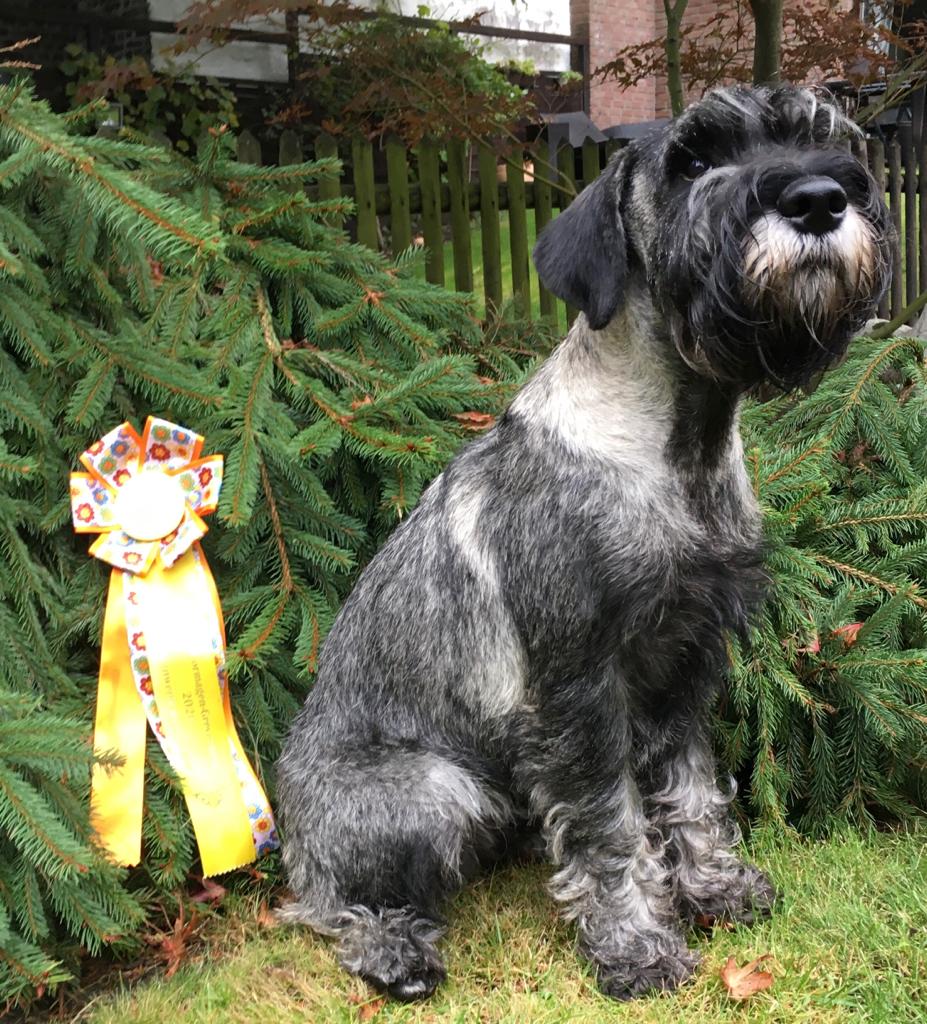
(809, 281)
(759, 301)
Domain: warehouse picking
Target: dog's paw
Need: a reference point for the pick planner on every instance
(629, 979)
(744, 897)
(418, 985)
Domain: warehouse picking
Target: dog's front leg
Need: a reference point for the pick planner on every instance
(685, 802)
(613, 879)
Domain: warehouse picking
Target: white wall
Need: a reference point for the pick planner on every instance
(265, 62)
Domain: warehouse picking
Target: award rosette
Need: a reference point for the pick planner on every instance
(163, 654)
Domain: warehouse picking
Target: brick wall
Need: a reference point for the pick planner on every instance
(610, 25)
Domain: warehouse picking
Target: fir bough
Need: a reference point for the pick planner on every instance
(825, 716)
(220, 295)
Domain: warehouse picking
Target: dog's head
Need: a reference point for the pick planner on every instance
(763, 243)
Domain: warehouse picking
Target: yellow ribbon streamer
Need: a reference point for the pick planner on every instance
(163, 655)
(119, 726)
(183, 676)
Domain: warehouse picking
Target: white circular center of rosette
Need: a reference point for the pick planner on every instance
(150, 505)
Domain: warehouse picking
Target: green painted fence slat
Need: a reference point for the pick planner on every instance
(290, 150)
(875, 152)
(247, 148)
(543, 212)
(518, 233)
(489, 233)
(566, 192)
(894, 205)
(922, 214)
(460, 215)
(365, 197)
(429, 175)
(329, 185)
(906, 141)
(591, 166)
(397, 173)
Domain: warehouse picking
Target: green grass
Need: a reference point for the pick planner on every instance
(849, 941)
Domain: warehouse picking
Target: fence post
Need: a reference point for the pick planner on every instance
(365, 196)
(590, 162)
(429, 175)
(397, 174)
(518, 232)
(490, 233)
(875, 152)
(543, 212)
(460, 215)
(922, 214)
(247, 148)
(328, 185)
(290, 150)
(894, 196)
(906, 141)
(567, 177)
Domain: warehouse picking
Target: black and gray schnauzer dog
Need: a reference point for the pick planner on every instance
(538, 644)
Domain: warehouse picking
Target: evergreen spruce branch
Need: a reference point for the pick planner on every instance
(233, 174)
(32, 827)
(29, 913)
(292, 208)
(887, 519)
(867, 577)
(244, 459)
(25, 968)
(157, 375)
(90, 396)
(165, 218)
(15, 168)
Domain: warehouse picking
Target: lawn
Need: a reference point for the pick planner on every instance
(849, 943)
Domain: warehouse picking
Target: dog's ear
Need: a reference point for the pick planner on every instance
(581, 256)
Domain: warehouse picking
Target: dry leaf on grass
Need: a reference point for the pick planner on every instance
(708, 923)
(172, 946)
(266, 918)
(743, 982)
(211, 892)
(367, 1008)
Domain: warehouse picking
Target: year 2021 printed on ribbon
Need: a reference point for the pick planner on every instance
(163, 655)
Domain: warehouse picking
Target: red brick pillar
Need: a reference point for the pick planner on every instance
(609, 25)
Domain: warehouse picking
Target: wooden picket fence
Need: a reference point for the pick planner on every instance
(451, 190)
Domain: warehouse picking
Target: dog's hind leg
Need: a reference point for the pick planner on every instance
(685, 803)
(376, 840)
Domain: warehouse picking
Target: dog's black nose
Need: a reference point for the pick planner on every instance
(813, 205)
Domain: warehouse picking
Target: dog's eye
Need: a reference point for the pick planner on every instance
(695, 168)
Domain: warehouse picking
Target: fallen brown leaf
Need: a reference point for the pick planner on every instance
(708, 922)
(266, 917)
(744, 982)
(172, 945)
(475, 420)
(211, 892)
(367, 1008)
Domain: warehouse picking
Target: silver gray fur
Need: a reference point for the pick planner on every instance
(536, 647)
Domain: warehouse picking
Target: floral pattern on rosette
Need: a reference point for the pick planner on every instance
(121, 455)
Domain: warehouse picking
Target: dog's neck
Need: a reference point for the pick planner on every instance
(623, 394)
